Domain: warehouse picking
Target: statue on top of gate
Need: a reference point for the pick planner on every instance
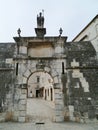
(40, 30)
(40, 20)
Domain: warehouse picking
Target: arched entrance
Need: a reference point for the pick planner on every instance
(42, 94)
(40, 97)
(40, 85)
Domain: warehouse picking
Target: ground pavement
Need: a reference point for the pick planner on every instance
(42, 111)
(48, 126)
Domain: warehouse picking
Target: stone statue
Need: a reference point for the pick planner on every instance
(40, 21)
(19, 32)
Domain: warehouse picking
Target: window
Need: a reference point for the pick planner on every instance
(62, 67)
(16, 68)
(38, 79)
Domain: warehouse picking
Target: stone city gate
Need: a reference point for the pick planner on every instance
(36, 54)
(31, 55)
(72, 66)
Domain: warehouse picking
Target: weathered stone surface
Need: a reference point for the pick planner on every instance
(2, 117)
(59, 107)
(59, 119)
(23, 96)
(33, 69)
(47, 69)
(21, 119)
(23, 102)
(82, 71)
(22, 113)
(58, 96)
(9, 61)
(74, 63)
(57, 86)
(58, 113)
(24, 80)
(22, 107)
(54, 73)
(8, 96)
(24, 91)
(27, 73)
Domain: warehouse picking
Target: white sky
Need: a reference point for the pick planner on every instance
(71, 15)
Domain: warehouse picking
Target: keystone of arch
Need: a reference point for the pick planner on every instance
(47, 69)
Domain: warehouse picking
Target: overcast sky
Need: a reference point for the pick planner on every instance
(71, 15)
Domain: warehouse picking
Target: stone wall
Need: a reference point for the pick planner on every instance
(7, 80)
(78, 81)
(82, 82)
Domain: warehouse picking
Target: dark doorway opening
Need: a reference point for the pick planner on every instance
(45, 94)
(51, 94)
(37, 93)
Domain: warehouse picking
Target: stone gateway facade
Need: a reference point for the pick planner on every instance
(50, 68)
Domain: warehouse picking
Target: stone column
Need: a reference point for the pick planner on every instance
(9, 106)
(22, 106)
(59, 105)
(71, 111)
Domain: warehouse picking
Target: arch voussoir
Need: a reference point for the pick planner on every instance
(33, 69)
(53, 73)
(55, 79)
(24, 80)
(47, 69)
(27, 73)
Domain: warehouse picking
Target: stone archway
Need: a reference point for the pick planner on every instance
(32, 70)
(58, 96)
(37, 83)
